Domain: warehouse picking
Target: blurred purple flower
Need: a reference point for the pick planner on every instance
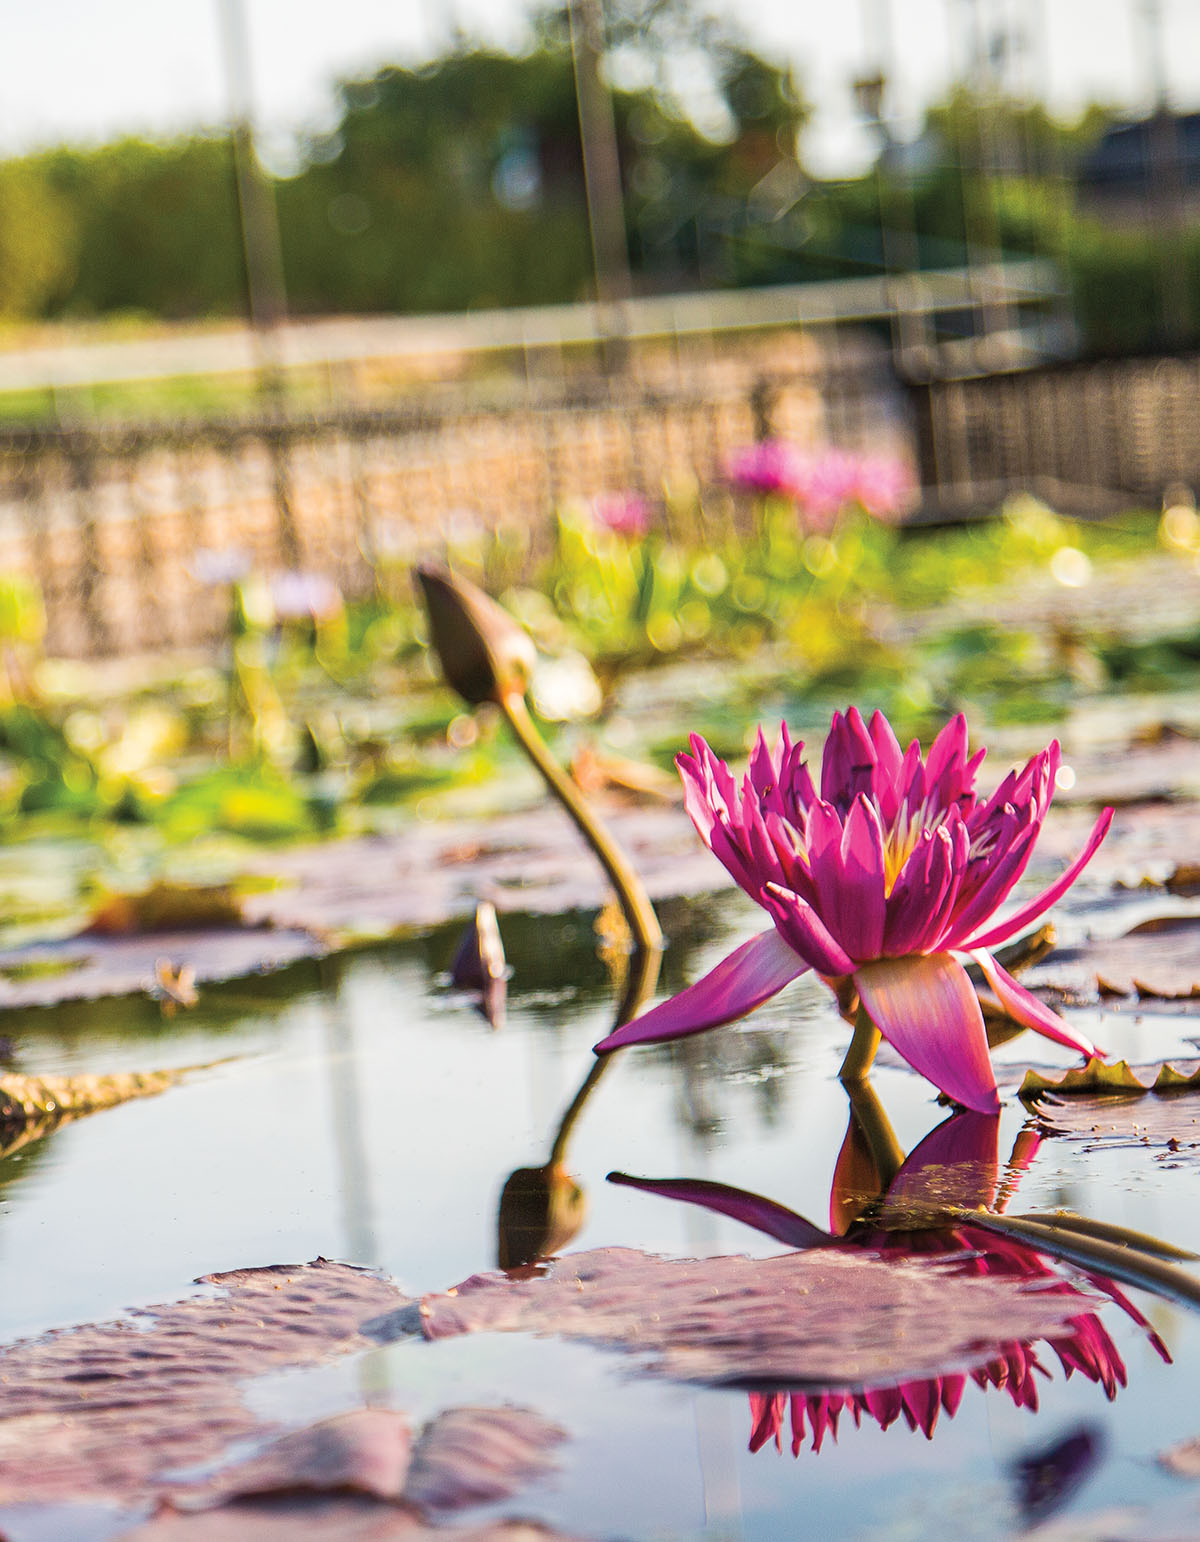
(298, 595)
(626, 514)
(219, 565)
(875, 882)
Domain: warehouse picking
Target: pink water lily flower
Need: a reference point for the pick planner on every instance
(879, 882)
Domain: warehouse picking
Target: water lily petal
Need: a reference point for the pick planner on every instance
(757, 970)
(1026, 1008)
(889, 755)
(753, 1210)
(805, 932)
(986, 881)
(1035, 907)
(862, 883)
(848, 761)
(927, 1010)
(924, 893)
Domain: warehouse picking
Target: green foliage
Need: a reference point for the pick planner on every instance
(154, 227)
(38, 241)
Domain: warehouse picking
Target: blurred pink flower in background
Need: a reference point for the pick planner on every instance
(626, 514)
(823, 482)
(885, 488)
(768, 467)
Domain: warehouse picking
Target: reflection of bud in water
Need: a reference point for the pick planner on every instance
(1047, 1477)
(484, 654)
(478, 964)
(541, 1210)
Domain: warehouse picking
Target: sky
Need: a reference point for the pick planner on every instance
(86, 70)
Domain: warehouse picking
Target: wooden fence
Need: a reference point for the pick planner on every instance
(111, 520)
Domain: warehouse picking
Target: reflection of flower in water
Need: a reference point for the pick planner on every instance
(1013, 1368)
(956, 1166)
(874, 881)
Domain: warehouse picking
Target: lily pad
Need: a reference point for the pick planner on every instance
(1167, 1121)
(166, 907)
(109, 1410)
(431, 872)
(1117, 1076)
(816, 1318)
(85, 967)
(1157, 960)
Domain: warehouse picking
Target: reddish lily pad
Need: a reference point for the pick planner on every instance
(816, 1318)
(475, 1456)
(1158, 960)
(85, 967)
(332, 1519)
(107, 1411)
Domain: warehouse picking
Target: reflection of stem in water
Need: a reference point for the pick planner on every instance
(876, 1129)
(542, 1208)
(353, 1171)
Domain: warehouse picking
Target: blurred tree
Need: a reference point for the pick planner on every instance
(37, 241)
(154, 227)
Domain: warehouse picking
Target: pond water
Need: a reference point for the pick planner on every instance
(357, 1109)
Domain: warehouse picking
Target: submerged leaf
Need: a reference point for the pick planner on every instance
(1182, 1459)
(475, 1456)
(166, 907)
(33, 1106)
(365, 1451)
(335, 1518)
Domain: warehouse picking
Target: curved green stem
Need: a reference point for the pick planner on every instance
(631, 892)
(861, 1054)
